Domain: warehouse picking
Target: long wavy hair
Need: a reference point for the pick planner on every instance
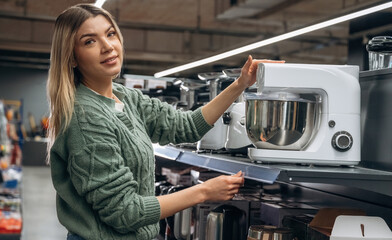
(63, 75)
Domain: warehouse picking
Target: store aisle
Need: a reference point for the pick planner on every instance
(39, 206)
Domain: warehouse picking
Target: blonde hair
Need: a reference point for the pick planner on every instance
(63, 76)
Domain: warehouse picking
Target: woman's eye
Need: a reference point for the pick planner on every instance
(88, 42)
(110, 34)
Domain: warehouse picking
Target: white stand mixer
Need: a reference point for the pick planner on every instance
(336, 138)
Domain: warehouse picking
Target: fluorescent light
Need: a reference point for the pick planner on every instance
(99, 3)
(274, 39)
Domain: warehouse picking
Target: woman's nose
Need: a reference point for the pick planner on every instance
(107, 46)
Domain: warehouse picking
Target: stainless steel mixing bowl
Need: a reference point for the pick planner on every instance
(283, 124)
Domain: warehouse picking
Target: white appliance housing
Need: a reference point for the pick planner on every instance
(215, 138)
(237, 138)
(339, 89)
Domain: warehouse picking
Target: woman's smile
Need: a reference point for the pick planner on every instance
(110, 60)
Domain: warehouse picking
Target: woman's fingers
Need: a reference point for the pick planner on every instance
(238, 175)
(247, 65)
(233, 191)
(251, 63)
(224, 187)
(256, 62)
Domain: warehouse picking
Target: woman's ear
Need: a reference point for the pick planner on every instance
(74, 64)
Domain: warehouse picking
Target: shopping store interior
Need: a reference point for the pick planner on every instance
(159, 36)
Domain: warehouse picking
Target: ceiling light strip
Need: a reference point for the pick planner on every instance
(274, 39)
(99, 3)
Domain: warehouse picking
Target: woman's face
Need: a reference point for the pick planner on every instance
(98, 50)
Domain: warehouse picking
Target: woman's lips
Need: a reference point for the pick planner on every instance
(110, 60)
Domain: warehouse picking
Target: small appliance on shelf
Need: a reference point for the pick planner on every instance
(305, 113)
(214, 140)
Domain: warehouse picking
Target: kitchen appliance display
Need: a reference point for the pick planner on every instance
(190, 95)
(189, 91)
(215, 138)
(305, 113)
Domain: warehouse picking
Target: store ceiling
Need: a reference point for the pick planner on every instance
(161, 34)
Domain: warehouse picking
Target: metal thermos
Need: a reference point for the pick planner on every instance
(266, 232)
(226, 223)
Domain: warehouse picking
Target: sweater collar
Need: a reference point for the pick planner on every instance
(117, 90)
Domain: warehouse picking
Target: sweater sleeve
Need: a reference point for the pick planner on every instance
(164, 124)
(97, 171)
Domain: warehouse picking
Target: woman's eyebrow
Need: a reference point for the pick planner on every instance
(94, 34)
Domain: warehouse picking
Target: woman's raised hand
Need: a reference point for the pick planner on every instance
(248, 71)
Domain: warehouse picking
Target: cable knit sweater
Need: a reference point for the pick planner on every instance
(103, 165)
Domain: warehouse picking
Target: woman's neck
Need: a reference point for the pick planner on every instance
(103, 88)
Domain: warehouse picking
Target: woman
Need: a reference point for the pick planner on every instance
(101, 156)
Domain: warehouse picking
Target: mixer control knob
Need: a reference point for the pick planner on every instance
(226, 117)
(342, 141)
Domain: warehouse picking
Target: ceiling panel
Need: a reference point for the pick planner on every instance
(160, 35)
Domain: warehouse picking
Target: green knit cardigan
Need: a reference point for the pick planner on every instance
(103, 167)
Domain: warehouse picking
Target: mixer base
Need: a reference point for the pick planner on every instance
(295, 157)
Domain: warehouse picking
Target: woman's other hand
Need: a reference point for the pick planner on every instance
(248, 71)
(222, 188)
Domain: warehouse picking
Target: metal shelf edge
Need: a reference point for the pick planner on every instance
(166, 152)
(359, 177)
(261, 174)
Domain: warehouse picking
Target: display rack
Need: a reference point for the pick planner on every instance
(11, 206)
(10, 175)
(356, 176)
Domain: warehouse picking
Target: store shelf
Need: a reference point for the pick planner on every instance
(359, 177)
(10, 236)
